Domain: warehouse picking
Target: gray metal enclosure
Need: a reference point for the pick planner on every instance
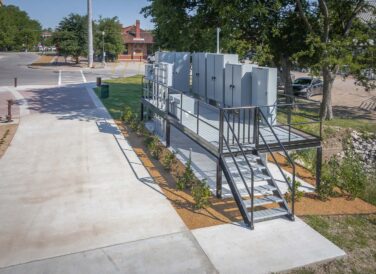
(264, 91)
(238, 85)
(181, 68)
(199, 74)
(215, 65)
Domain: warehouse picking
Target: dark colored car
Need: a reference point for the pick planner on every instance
(307, 86)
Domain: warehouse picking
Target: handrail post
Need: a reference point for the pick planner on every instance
(167, 100)
(293, 193)
(220, 151)
(181, 107)
(256, 123)
(289, 122)
(198, 115)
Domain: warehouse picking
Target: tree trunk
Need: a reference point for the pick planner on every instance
(286, 75)
(326, 110)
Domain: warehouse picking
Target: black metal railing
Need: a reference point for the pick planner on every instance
(291, 185)
(289, 122)
(224, 140)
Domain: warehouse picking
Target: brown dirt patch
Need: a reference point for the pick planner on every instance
(7, 133)
(223, 211)
(44, 60)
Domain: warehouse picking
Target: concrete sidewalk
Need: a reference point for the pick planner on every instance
(67, 186)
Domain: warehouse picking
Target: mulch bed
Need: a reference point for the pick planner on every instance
(223, 211)
(7, 133)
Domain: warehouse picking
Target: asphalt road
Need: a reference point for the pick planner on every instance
(16, 65)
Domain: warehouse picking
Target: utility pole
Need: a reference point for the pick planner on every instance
(218, 31)
(90, 33)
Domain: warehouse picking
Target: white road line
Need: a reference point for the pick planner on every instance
(59, 81)
(83, 76)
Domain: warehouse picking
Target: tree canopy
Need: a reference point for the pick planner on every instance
(324, 35)
(17, 30)
(70, 36)
(113, 39)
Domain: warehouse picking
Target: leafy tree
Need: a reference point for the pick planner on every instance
(179, 25)
(113, 39)
(17, 30)
(71, 36)
(337, 36)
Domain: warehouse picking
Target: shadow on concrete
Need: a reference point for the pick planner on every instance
(67, 103)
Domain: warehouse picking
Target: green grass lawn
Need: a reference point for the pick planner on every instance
(356, 235)
(124, 92)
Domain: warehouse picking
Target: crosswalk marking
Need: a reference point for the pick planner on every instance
(71, 77)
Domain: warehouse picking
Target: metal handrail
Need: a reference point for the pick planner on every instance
(292, 188)
(246, 159)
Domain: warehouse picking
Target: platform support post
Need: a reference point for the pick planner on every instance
(168, 133)
(220, 151)
(318, 166)
(142, 112)
(219, 179)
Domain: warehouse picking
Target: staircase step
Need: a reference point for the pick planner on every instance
(263, 201)
(257, 177)
(240, 158)
(255, 166)
(270, 213)
(264, 188)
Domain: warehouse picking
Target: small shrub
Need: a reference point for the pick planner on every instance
(128, 115)
(134, 123)
(346, 174)
(201, 194)
(353, 178)
(298, 193)
(154, 146)
(307, 156)
(141, 130)
(168, 160)
(329, 179)
(187, 179)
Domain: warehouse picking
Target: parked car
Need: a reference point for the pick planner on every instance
(307, 87)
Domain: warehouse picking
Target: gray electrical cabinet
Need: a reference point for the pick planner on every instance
(264, 91)
(238, 84)
(215, 65)
(165, 57)
(182, 68)
(199, 74)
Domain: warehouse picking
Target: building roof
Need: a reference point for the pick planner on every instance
(129, 36)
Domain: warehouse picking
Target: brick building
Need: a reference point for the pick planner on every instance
(137, 42)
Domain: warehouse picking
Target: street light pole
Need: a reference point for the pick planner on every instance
(90, 33)
(104, 53)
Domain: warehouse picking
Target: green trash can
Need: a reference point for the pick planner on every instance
(105, 91)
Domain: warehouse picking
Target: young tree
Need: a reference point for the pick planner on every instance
(113, 39)
(71, 36)
(335, 30)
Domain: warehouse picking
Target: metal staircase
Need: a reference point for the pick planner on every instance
(252, 184)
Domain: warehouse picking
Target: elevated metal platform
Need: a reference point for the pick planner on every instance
(238, 137)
